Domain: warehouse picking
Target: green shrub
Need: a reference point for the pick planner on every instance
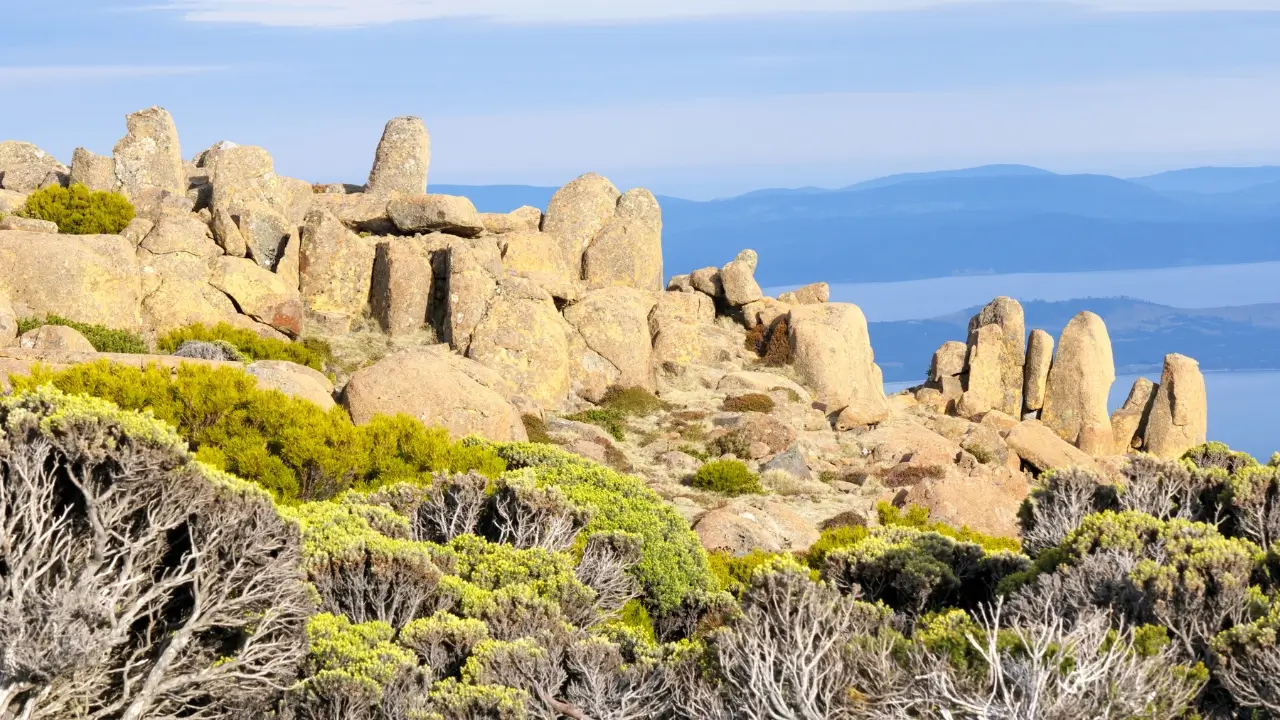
(631, 401)
(310, 352)
(918, 518)
(673, 565)
(612, 421)
(288, 446)
(731, 477)
(103, 339)
(77, 210)
(536, 429)
(734, 573)
(979, 452)
(751, 402)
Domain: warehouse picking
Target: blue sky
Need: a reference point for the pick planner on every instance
(698, 98)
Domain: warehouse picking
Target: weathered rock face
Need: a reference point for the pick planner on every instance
(738, 279)
(1129, 423)
(832, 353)
(1036, 370)
(675, 326)
(403, 158)
(260, 294)
(266, 233)
(23, 166)
(948, 360)
(402, 285)
(8, 320)
(227, 234)
(297, 381)
(87, 278)
(1006, 313)
(628, 250)
(808, 295)
(1179, 417)
(149, 156)
(1075, 403)
(13, 222)
(435, 213)
(175, 258)
(471, 285)
(12, 201)
(536, 256)
(96, 172)
(1044, 450)
(523, 339)
(747, 524)
(614, 322)
(524, 219)
(986, 390)
(707, 281)
(56, 338)
(437, 388)
(243, 174)
(335, 268)
(577, 213)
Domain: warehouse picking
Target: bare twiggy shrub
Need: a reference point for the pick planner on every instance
(1050, 671)
(1165, 489)
(1254, 505)
(606, 564)
(526, 516)
(1247, 663)
(1062, 499)
(1099, 581)
(452, 506)
(135, 583)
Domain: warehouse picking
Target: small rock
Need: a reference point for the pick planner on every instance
(738, 279)
(791, 462)
(13, 222)
(1036, 371)
(524, 219)
(55, 337)
(948, 360)
(24, 166)
(707, 281)
(1129, 423)
(812, 294)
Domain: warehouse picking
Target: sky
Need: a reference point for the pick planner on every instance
(693, 98)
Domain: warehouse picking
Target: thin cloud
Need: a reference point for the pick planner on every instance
(18, 75)
(355, 13)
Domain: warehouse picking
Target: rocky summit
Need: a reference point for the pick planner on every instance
(539, 321)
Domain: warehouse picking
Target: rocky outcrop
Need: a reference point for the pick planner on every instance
(614, 322)
(23, 166)
(149, 156)
(577, 213)
(628, 250)
(96, 172)
(1075, 403)
(438, 388)
(808, 295)
(523, 219)
(403, 158)
(1179, 417)
(335, 271)
(260, 294)
(832, 354)
(8, 319)
(1036, 370)
(88, 278)
(1129, 423)
(57, 338)
(747, 524)
(524, 341)
(738, 279)
(1043, 449)
(435, 213)
(536, 256)
(986, 365)
(1005, 313)
(676, 327)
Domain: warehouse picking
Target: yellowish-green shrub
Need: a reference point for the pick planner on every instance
(102, 338)
(311, 352)
(77, 210)
(288, 446)
(730, 477)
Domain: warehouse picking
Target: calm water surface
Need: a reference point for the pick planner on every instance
(1244, 408)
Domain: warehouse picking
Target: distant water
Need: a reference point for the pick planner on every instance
(1244, 407)
(1185, 287)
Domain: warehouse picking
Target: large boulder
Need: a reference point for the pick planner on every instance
(450, 214)
(31, 225)
(1036, 370)
(295, 380)
(175, 259)
(149, 156)
(748, 523)
(438, 388)
(986, 363)
(8, 319)
(675, 325)
(87, 278)
(577, 213)
(1075, 403)
(1129, 423)
(614, 322)
(948, 361)
(707, 281)
(628, 250)
(811, 294)
(738, 279)
(832, 354)
(260, 294)
(243, 174)
(524, 340)
(362, 212)
(1179, 418)
(536, 256)
(1006, 313)
(403, 158)
(58, 338)
(335, 270)
(1044, 450)
(522, 219)
(23, 166)
(471, 285)
(402, 284)
(266, 233)
(988, 504)
(96, 172)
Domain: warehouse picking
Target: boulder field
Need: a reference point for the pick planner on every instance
(491, 324)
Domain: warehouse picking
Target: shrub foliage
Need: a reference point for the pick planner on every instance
(77, 210)
(103, 339)
(252, 346)
(731, 477)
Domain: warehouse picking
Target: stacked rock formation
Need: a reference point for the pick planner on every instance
(1001, 370)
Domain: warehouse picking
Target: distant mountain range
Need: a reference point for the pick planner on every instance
(990, 219)
(1233, 338)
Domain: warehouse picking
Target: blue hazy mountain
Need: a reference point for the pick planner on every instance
(991, 219)
(1234, 338)
(1209, 180)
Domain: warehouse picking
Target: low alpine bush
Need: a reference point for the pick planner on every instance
(310, 352)
(730, 477)
(102, 338)
(77, 210)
